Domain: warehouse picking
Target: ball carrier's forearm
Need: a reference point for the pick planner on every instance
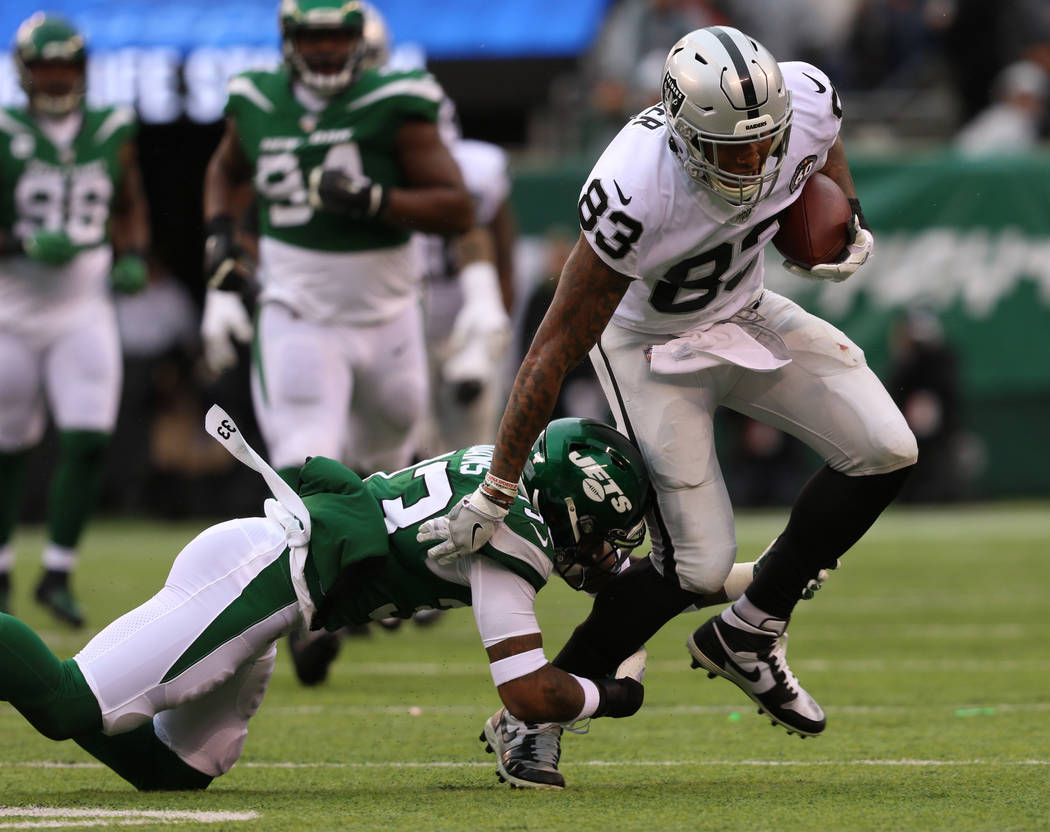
(587, 294)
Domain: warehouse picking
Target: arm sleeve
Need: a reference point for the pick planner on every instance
(503, 602)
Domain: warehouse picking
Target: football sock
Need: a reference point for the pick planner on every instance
(50, 693)
(626, 613)
(76, 484)
(12, 473)
(832, 512)
(143, 760)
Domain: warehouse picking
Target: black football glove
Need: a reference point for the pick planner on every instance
(225, 265)
(356, 196)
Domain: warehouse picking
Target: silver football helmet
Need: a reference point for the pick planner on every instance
(723, 90)
(377, 38)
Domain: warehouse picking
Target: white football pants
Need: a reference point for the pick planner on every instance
(827, 397)
(356, 394)
(197, 657)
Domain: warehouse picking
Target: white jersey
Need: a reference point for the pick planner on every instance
(694, 258)
(484, 168)
(485, 173)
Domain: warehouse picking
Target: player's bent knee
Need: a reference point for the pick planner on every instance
(891, 449)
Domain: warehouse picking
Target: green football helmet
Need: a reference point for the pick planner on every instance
(48, 38)
(326, 72)
(590, 484)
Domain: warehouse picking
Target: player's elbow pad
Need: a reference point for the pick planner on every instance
(619, 697)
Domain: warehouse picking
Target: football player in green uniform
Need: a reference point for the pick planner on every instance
(74, 227)
(164, 694)
(344, 163)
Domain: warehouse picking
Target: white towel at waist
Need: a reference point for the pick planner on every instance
(743, 343)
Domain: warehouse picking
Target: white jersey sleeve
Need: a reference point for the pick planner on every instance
(694, 258)
(485, 172)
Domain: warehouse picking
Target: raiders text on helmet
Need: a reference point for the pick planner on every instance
(590, 484)
(722, 89)
(332, 74)
(50, 39)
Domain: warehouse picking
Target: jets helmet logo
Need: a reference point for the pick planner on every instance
(598, 485)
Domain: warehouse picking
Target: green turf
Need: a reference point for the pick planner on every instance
(928, 649)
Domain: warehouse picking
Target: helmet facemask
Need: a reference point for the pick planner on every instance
(594, 557)
(702, 154)
(331, 33)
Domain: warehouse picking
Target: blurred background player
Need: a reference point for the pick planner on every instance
(469, 283)
(345, 163)
(74, 226)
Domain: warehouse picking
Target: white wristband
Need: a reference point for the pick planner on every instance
(590, 697)
(516, 666)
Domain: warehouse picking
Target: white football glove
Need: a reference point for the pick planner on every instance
(481, 331)
(855, 255)
(224, 320)
(465, 529)
(633, 666)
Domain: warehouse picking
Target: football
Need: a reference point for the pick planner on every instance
(813, 229)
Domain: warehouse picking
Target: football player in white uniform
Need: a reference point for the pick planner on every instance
(74, 227)
(467, 297)
(468, 283)
(665, 288)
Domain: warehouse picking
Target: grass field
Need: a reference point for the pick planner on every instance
(929, 650)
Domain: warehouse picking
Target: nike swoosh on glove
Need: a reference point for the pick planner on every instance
(465, 529)
(854, 256)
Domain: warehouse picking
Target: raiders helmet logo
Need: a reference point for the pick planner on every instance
(804, 169)
(672, 96)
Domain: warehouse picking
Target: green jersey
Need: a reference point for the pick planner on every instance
(54, 188)
(365, 562)
(285, 141)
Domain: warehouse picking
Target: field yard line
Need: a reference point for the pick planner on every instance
(815, 665)
(453, 710)
(53, 817)
(306, 710)
(163, 814)
(395, 764)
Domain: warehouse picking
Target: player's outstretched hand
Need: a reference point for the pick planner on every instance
(51, 247)
(854, 256)
(355, 196)
(465, 529)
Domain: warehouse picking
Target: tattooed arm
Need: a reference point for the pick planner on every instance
(587, 294)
